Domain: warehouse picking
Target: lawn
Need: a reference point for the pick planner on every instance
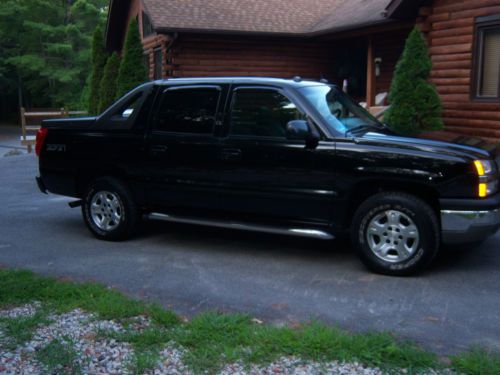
(208, 341)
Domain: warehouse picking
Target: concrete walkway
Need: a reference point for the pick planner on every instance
(10, 143)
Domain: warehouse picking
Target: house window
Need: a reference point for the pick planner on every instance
(146, 62)
(147, 28)
(487, 58)
(158, 63)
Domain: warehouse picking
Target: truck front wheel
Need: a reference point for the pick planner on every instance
(395, 233)
(109, 210)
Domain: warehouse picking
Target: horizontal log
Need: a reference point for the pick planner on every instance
(463, 64)
(465, 30)
(450, 73)
(473, 106)
(451, 57)
(445, 25)
(485, 124)
(453, 89)
(450, 81)
(485, 115)
(457, 6)
(455, 48)
(476, 12)
(451, 41)
(454, 98)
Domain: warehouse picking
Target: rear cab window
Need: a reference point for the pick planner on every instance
(188, 110)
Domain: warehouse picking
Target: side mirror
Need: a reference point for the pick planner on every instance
(298, 130)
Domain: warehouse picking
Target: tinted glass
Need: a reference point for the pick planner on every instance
(262, 113)
(188, 110)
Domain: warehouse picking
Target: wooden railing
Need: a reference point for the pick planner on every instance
(32, 119)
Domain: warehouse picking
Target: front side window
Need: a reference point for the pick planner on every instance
(340, 112)
(487, 59)
(188, 110)
(262, 113)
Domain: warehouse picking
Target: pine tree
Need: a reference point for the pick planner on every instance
(132, 70)
(415, 103)
(99, 57)
(107, 90)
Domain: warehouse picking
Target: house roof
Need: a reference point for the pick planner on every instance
(269, 17)
(264, 16)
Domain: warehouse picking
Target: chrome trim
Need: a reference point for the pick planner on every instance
(300, 232)
(467, 226)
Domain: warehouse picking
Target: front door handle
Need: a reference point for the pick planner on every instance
(231, 154)
(156, 149)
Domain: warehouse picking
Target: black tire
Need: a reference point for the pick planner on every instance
(368, 227)
(120, 226)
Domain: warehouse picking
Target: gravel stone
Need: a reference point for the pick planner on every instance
(97, 355)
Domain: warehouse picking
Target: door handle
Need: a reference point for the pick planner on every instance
(231, 153)
(158, 149)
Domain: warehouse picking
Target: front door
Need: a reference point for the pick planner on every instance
(265, 174)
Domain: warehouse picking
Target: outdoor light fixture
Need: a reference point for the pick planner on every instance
(378, 62)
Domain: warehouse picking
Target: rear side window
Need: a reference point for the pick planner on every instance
(188, 110)
(262, 113)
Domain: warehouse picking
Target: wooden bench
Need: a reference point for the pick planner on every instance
(32, 119)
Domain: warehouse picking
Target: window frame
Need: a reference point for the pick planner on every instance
(154, 127)
(228, 134)
(147, 26)
(481, 25)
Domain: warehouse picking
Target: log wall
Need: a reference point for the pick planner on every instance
(211, 55)
(450, 26)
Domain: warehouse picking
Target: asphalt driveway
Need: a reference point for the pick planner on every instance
(449, 308)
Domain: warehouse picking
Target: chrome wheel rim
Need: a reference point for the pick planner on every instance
(392, 236)
(106, 210)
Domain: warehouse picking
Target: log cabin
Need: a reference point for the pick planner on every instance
(353, 41)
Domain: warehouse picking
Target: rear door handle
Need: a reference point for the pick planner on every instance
(231, 154)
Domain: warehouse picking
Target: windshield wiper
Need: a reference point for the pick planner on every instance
(363, 127)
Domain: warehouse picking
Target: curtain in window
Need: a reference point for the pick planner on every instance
(491, 63)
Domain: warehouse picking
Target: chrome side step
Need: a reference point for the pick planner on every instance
(300, 232)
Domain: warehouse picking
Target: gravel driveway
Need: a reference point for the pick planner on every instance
(279, 279)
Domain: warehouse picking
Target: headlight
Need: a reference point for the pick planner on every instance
(488, 183)
(484, 167)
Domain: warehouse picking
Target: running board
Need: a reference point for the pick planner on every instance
(300, 232)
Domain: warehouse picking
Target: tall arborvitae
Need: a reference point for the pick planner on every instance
(107, 91)
(99, 58)
(415, 103)
(132, 70)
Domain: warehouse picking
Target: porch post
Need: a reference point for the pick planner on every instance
(370, 74)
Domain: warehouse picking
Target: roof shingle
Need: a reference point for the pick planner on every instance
(264, 16)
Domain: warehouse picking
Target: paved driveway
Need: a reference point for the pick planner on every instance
(280, 279)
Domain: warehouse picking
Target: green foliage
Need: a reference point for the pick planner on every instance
(45, 45)
(415, 103)
(99, 58)
(19, 330)
(132, 71)
(59, 357)
(477, 362)
(107, 90)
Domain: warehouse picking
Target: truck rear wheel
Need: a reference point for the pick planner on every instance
(109, 210)
(395, 233)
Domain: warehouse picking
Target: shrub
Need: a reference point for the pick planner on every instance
(99, 58)
(132, 70)
(415, 103)
(107, 90)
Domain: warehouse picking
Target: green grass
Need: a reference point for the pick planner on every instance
(59, 357)
(211, 340)
(477, 362)
(19, 330)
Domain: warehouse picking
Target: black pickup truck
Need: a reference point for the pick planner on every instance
(293, 157)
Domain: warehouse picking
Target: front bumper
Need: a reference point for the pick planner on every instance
(468, 220)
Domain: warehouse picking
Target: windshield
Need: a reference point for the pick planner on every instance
(339, 110)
